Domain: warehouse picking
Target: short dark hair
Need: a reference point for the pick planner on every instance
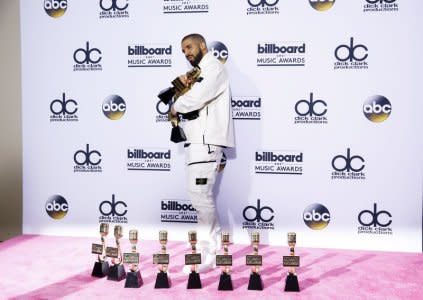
(195, 36)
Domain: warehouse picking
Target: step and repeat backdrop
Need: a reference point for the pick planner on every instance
(325, 97)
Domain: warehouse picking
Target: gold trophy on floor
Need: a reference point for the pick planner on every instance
(291, 261)
(162, 259)
(101, 266)
(178, 89)
(255, 260)
(117, 269)
(133, 277)
(193, 259)
(225, 261)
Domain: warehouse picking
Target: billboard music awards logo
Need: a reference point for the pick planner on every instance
(321, 5)
(114, 107)
(185, 6)
(286, 162)
(177, 211)
(380, 5)
(285, 54)
(87, 161)
(113, 9)
(57, 207)
(63, 110)
(377, 108)
(87, 59)
(352, 56)
(55, 8)
(375, 221)
(150, 55)
(311, 111)
(219, 50)
(113, 211)
(348, 167)
(148, 159)
(246, 108)
(316, 216)
(262, 7)
(258, 217)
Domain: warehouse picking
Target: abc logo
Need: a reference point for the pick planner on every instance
(255, 3)
(219, 51)
(374, 218)
(162, 108)
(258, 213)
(87, 55)
(311, 107)
(55, 8)
(321, 5)
(63, 106)
(57, 207)
(351, 52)
(347, 162)
(87, 157)
(113, 208)
(114, 5)
(377, 108)
(114, 107)
(316, 216)
(380, 1)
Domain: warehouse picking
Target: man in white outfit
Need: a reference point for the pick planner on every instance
(207, 136)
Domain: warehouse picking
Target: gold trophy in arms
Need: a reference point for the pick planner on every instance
(178, 89)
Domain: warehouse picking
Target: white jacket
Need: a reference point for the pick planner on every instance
(212, 97)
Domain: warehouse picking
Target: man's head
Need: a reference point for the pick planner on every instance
(194, 48)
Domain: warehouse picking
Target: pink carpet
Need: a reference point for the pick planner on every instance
(44, 267)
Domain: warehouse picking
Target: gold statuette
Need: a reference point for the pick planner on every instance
(193, 259)
(255, 261)
(291, 261)
(133, 277)
(162, 259)
(101, 266)
(117, 270)
(225, 261)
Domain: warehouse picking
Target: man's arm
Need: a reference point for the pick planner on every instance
(201, 93)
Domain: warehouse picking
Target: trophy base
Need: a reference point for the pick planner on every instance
(101, 269)
(255, 282)
(116, 273)
(225, 282)
(133, 279)
(177, 135)
(162, 281)
(194, 281)
(291, 283)
(166, 95)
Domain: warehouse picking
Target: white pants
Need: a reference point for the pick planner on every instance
(202, 162)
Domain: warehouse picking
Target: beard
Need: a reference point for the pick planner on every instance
(197, 59)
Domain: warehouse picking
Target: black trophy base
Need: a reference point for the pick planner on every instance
(116, 273)
(225, 282)
(101, 269)
(255, 282)
(133, 279)
(291, 283)
(177, 135)
(194, 281)
(162, 281)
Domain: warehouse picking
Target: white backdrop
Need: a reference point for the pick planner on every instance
(378, 206)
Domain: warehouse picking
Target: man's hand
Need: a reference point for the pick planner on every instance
(185, 80)
(173, 112)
